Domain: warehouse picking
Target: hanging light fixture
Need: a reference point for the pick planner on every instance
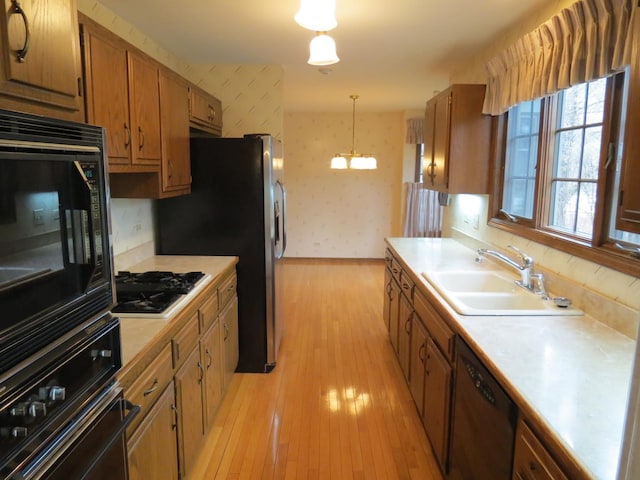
(317, 15)
(322, 50)
(358, 161)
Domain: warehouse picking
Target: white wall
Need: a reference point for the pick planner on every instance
(342, 213)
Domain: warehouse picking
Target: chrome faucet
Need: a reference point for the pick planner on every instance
(525, 267)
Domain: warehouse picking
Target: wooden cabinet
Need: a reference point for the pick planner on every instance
(394, 314)
(405, 319)
(122, 96)
(210, 349)
(174, 125)
(189, 399)
(205, 111)
(628, 214)
(437, 401)
(230, 351)
(40, 71)
(531, 460)
(418, 360)
(152, 448)
(457, 140)
(144, 108)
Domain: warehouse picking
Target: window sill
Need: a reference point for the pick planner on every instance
(603, 255)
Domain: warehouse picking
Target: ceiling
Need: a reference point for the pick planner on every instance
(394, 53)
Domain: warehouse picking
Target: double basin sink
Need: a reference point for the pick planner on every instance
(489, 292)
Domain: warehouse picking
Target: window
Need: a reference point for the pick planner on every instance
(560, 163)
(418, 178)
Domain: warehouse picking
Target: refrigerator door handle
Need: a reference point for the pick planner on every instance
(284, 218)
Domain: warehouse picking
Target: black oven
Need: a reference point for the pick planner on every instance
(62, 415)
(55, 267)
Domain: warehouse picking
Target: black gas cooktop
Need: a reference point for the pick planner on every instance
(152, 292)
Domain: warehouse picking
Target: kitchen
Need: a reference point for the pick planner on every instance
(133, 228)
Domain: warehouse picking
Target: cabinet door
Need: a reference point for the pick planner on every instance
(42, 64)
(205, 110)
(107, 92)
(531, 461)
(441, 138)
(174, 118)
(437, 399)
(405, 316)
(428, 171)
(144, 100)
(628, 216)
(386, 306)
(189, 380)
(418, 362)
(394, 318)
(153, 446)
(229, 332)
(212, 361)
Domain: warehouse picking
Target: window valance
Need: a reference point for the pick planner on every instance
(588, 40)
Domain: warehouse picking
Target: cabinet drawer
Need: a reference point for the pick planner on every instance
(149, 385)
(185, 340)
(396, 269)
(434, 323)
(208, 313)
(406, 284)
(227, 290)
(531, 460)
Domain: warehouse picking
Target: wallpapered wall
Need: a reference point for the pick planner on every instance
(342, 213)
(460, 215)
(251, 98)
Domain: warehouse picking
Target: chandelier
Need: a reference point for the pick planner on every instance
(354, 160)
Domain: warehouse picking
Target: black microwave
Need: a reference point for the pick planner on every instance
(55, 256)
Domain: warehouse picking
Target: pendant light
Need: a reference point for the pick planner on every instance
(322, 50)
(354, 160)
(317, 15)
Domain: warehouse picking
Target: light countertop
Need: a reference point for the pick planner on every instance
(569, 374)
(138, 333)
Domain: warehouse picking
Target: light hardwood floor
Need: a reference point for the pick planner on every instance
(336, 406)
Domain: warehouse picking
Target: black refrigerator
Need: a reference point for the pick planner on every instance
(236, 207)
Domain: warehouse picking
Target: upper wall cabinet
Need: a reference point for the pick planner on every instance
(628, 218)
(122, 96)
(205, 111)
(144, 108)
(40, 71)
(456, 141)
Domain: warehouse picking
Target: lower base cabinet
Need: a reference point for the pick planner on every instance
(229, 323)
(531, 460)
(152, 447)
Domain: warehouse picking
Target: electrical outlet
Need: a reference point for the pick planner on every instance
(38, 216)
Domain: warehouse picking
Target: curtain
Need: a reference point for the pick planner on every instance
(415, 131)
(588, 40)
(423, 213)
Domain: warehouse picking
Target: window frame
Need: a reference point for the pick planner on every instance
(600, 249)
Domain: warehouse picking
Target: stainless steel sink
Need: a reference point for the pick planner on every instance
(489, 292)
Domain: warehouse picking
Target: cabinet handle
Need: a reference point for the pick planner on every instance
(175, 417)
(421, 356)
(432, 175)
(226, 332)
(127, 132)
(407, 325)
(201, 372)
(153, 388)
(208, 353)
(21, 54)
(212, 113)
(140, 138)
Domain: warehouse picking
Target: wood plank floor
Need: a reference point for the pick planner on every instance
(336, 406)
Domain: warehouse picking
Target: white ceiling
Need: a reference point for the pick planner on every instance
(394, 53)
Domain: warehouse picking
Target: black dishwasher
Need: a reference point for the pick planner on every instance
(483, 422)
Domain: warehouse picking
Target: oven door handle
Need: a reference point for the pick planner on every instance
(134, 410)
